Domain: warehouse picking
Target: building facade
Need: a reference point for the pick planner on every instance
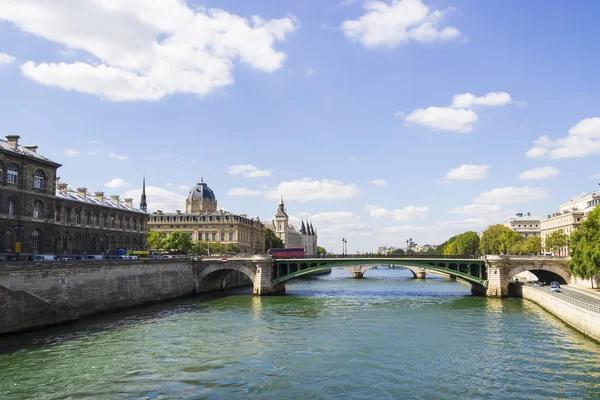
(305, 236)
(205, 223)
(38, 214)
(524, 224)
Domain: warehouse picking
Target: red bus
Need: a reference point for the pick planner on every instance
(293, 252)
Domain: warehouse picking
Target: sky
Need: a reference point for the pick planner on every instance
(378, 120)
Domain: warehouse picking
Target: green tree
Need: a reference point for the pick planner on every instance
(498, 239)
(272, 241)
(517, 247)
(467, 243)
(178, 241)
(451, 249)
(155, 240)
(397, 252)
(585, 248)
(508, 239)
(556, 241)
(532, 245)
(233, 248)
(321, 251)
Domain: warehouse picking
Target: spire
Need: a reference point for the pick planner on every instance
(143, 204)
(280, 200)
(303, 228)
(312, 230)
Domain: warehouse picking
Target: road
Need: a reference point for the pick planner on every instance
(575, 294)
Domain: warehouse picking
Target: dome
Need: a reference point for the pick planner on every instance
(201, 191)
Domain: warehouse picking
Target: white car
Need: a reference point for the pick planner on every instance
(554, 287)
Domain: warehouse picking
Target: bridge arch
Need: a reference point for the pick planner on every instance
(546, 273)
(212, 278)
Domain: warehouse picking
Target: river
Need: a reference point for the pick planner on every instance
(383, 337)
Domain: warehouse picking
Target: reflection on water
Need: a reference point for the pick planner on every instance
(386, 336)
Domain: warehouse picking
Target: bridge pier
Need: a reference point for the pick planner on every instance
(357, 274)
(418, 273)
(263, 285)
(358, 271)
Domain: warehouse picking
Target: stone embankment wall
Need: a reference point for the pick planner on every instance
(47, 293)
(580, 318)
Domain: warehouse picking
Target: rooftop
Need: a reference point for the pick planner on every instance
(11, 144)
(78, 195)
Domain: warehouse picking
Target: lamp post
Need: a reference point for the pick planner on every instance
(344, 244)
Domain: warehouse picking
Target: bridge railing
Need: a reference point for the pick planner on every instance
(583, 304)
(373, 255)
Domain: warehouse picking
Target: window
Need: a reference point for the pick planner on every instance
(191, 235)
(36, 237)
(231, 236)
(38, 209)
(38, 179)
(86, 219)
(12, 174)
(11, 208)
(56, 216)
(67, 216)
(222, 236)
(95, 220)
(207, 236)
(1, 172)
(77, 218)
(120, 223)
(214, 236)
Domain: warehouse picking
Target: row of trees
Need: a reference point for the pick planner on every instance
(585, 248)
(180, 242)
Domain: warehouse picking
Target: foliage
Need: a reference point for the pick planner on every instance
(272, 241)
(517, 248)
(155, 240)
(178, 241)
(498, 239)
(508, 239)
(532, 245)
(232, 248)
(556, 241)
(585, 247)
(467, 243)
(451, 249)
(396, 252)
(321, 251)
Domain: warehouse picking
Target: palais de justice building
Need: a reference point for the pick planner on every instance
(39, 214)
(204, 222)
(291, 236)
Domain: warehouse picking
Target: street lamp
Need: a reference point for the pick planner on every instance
(344, 244)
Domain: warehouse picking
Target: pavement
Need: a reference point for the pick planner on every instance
(584, 295)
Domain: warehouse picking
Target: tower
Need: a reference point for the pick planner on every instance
(201, 199)
(143, 204)
(281, 222)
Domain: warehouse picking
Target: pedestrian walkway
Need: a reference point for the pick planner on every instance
(593, 293)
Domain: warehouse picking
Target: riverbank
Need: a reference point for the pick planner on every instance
(581, 316)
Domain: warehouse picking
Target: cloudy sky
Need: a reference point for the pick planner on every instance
(379, 119)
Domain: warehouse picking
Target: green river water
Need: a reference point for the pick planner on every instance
(384, 337)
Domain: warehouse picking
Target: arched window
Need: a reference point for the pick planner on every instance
(12, 175)
(86, 218)
(68, 216)
(36, 239)
(38, 209)
(56, 216)
(11, 207)
(77, 217)
(95, 220)
(39, 179)
(231, 236)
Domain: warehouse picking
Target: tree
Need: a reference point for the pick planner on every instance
(498, 239)
(272, 241)
(556, 241)
(508, 239)
(155, 240)
(178, 241)
(517, 248)
(321, 251)
(396, 252)
(532, 245)
(232, 248)
(585, 248)
(451, 249)
(467, 243)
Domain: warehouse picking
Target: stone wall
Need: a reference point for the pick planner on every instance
(583, 320)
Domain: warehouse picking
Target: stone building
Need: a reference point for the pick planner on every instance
(205, 223)
(526, 225)
(291, 236)
(38, 214)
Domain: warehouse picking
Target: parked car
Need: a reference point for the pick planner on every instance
(45, 257)
(65, 259)
(95, 257)
(537, 283)
(124, 258)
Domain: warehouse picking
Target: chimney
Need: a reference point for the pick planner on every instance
(81, 191)
(13, 140)
(114, 199)
(31, 148)
(129, 202)
(159, 212)
(99, 196)
(178, 212)
(62, 187)
(529, 214)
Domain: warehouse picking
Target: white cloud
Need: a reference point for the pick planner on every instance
(159, 198)
(539, 173)
(378, 182)
(6, 58)
(243, 192)
(146, 50)
(511, 195)
(468, 172)
(482, 211)
(399, 114)
(116, 183)
(308, 189)
(118, 156)
(183, 187)
(468, 100)
(444, 118)
(399, 214)
(71, 152)
(249, 171)
(395, 22)
(583, 140)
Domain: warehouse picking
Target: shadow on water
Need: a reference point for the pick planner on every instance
(112, 320)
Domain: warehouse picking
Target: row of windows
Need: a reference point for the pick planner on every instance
(196, 218)
(12, 176)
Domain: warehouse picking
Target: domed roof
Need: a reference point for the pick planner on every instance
(201, 191)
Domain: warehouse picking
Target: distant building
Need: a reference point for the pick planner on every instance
(526, 225)
(39, 214)
(292, 236)
(205, 223)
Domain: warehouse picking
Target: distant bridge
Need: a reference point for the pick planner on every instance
(488, 276)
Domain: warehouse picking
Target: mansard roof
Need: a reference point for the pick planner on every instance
(72, 195)
(26, 151)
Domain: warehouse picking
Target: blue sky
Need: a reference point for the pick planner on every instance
(380, 120)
